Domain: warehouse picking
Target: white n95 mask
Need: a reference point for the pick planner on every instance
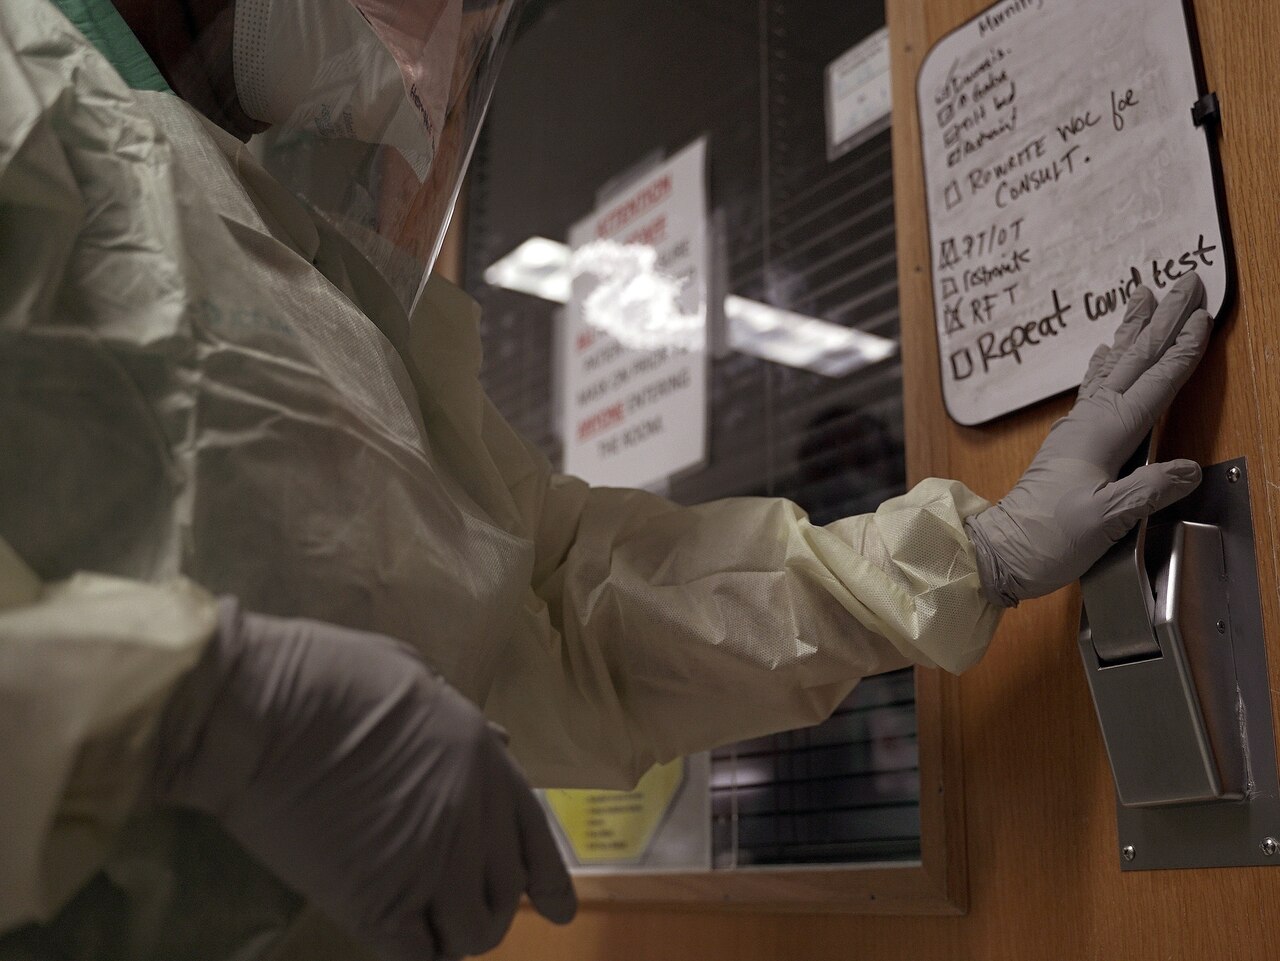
(318, 66)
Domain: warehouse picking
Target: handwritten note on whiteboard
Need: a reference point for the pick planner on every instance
(1063, 169)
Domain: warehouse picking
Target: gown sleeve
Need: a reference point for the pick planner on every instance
(670, 629)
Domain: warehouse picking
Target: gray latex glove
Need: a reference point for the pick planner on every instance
(363, 781)
(1069, 508)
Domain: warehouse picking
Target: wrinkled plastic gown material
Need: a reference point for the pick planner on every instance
(181, 358)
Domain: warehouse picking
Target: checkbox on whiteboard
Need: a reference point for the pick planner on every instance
(945, 115)
(951, 318)
(952, 195)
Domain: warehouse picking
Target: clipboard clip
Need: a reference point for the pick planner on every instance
(1206, 110)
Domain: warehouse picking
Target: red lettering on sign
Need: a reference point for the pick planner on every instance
(601, 420)
(650, 235)
(637, 205)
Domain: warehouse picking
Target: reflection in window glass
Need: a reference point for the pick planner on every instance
(804, 384)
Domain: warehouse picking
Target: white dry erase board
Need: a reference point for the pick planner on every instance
(1063, 168)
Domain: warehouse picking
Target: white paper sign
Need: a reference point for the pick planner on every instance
(633, 390)
(858, 94)
(1063, 169)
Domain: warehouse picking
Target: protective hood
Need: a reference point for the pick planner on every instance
(375, 107)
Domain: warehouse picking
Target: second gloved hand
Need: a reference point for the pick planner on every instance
(364, 782)
(1069, 507)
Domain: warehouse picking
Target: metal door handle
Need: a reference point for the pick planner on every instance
(1117, 591)
(1168, 713)
(1174, 651)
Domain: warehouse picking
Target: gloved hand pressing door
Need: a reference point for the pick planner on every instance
(364, 782)
(1069, 506)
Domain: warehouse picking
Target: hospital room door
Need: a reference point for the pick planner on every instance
(1039, 818)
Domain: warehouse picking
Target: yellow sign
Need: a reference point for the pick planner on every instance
(606, 827)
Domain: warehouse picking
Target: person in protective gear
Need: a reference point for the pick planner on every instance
(246, 446)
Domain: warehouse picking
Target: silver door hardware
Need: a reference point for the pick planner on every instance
(1171, 639)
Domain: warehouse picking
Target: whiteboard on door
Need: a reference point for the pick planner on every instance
(1063, 168)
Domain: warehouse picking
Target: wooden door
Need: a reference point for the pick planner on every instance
(1039, 809)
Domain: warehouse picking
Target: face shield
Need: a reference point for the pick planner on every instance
(374, 106)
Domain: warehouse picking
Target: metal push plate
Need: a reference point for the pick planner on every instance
(1219, 833)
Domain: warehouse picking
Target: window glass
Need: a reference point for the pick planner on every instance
(802, 221)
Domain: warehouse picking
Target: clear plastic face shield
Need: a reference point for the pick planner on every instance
(375, 107)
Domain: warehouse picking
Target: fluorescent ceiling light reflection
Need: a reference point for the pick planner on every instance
(744, 773)
(631, 300)
(634, 301)
(796, 340)
(538, 266)
(642, 314)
